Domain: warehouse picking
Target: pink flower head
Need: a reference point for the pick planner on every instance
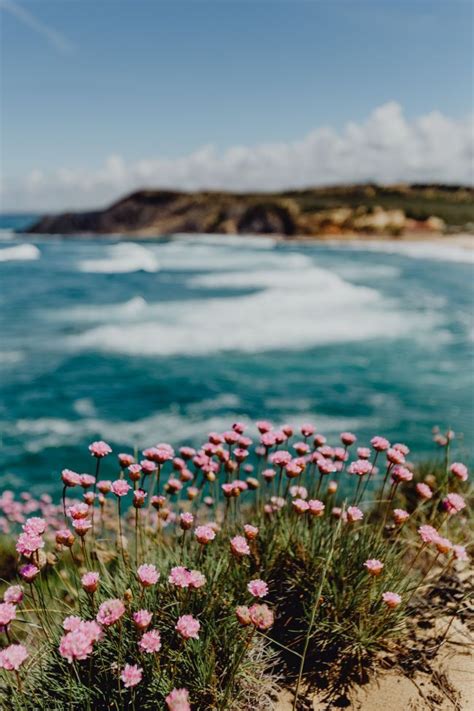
(428, 534)
(139, 497)
(391, 599)
(423, 491)
(400, 516)
(354, 514)
(300, 506)
(454, 503)
(360, 467)
(12, 657)
(459, 470)
(99, 449)
(380, 444)
(187, 452)
(261, 616)
(186, 520)
(87, 480)
(131, 675)
(35, 526)
(264, 426)
(13, 594)
(280, 458)
(150, 642)
(70, 478)
(188, 627)
(326, 466)
(374, 566)
(341, 454)
(400, 474)
(148, 466)
(298, 492)
(402, 448)
(251, 532)
(110, 612)
(316, 507)
(394, 456)
(287, 430)
(196, 579)
(301, 448)
(204, 534)
(347, 438)
(142, 619)
(242, 613)
(332, 487)
(72, 623)
(147, 575)
(77, 511)
(307, 429)
(363, 452)
(82, 526)
(269, 474)
(125, 460)
(178, 700)
(29, 572)
(239, 427)
(134, 472)
(257, 588)
(90, 582)
(120, 487)
(29, 543)
(75, 645)
(239, 546)
(7, 613)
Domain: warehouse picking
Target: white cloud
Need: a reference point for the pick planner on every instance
(386, 147)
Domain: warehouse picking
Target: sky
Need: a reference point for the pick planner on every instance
(100, 97)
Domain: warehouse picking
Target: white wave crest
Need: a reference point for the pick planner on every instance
(20, 253)
(459, 250)
(292, 309)
(122, 258)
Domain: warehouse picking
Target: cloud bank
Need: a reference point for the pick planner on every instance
(386, 147)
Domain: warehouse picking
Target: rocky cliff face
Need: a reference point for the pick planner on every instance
(311, 212)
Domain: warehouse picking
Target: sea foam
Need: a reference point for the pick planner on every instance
(20, 253)
(122, 258)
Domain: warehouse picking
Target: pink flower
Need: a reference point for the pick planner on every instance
(423, 491)
(12, 657)
(150, 642)
(82, 526)
(99, 449)
(178, 700)
(360, 467)
(196, 579)
(142, 619)
(354, 514)
(75, 645)
(251, 532)
(453, 503)
(134, 472)
(316, 507)
(391, 599)
(29, 572)
(298, 492)
(261, 616)
(459, 470)
(380, 444)
(402, 448)
(110, 612)
(29, 543)
(72, 623)
(70, 478)
(332, 487)
(363, 452)
(428, 534)
(90, 582)
(374, 566)
(87, 480)
(77, 511)
(400, 516)
(13, 594)
(269, 474)
(300, 506)
(204, 534)
(7, 613)
(326, 466)
(148, 575)
(139, 497)
(35, 526)
(257, 588)
(242, 613)
(394, 456)
(186, 521)
(239, 546)
(348, 438)
(131, 675)
(188, 627)
(120, 487)
(64, 537)
(400, 474)
(280, 458)
(125, 460)
(443, 545)
(264, 426)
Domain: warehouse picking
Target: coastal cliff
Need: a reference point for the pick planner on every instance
(345, 210)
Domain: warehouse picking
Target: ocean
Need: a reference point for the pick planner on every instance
(144, 342)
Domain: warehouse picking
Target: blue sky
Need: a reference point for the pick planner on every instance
(85, 80)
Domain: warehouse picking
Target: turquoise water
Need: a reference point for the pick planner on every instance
(138, 343)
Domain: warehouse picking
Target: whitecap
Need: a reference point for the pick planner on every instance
(20, 253)
(457, 250)
(122, 258)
